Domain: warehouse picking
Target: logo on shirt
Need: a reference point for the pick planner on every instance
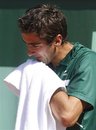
(65, 73)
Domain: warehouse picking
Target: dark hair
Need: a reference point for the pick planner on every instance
(45, 20)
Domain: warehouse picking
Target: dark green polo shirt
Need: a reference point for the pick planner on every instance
(79, 68)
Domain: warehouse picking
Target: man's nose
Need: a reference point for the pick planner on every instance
(31, 52)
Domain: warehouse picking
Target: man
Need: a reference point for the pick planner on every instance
(44, 31)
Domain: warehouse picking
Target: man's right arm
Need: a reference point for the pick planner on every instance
(66, 109)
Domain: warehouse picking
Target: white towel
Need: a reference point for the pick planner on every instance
(35, 83)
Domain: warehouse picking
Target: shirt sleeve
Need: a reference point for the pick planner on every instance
(83, 83)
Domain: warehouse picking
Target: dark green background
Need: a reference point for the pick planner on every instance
(81, 24)
(81, 17)
(66, 4)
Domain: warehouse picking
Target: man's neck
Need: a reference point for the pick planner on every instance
(61, 53)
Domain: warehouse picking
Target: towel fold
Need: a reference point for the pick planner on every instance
(35, 84)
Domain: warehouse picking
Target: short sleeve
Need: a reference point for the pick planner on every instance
(83, 83)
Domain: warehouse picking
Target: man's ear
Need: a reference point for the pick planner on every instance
(58, 40)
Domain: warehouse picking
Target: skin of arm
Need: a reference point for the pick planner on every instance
(66, 109)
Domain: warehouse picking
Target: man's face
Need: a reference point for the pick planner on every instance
(38, 47)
